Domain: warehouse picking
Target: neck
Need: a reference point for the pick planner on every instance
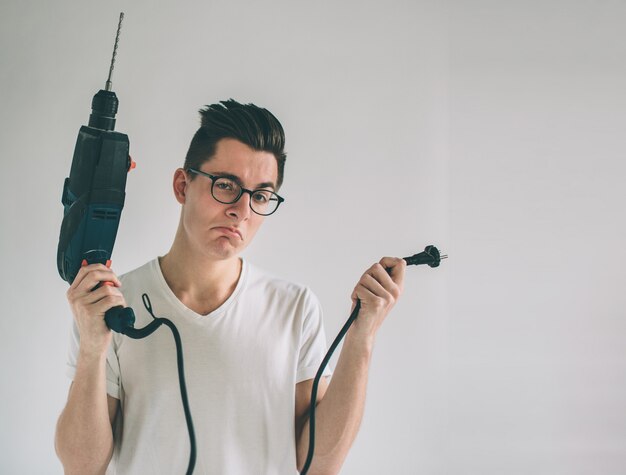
(200, 283)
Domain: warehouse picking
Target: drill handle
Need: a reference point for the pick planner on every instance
(117, 318)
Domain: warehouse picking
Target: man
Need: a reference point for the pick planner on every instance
(252, 342)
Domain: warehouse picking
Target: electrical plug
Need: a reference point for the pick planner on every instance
(430, 256)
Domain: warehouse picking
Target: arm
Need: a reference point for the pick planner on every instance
(340, 404)
(84, 433)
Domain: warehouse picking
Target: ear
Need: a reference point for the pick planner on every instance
(179, 185)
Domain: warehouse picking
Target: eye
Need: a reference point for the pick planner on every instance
(261, 196)
(225, 184)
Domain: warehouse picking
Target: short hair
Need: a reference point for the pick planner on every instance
(251, 125)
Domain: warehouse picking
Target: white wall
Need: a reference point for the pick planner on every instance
(496, 130)
(537, 330)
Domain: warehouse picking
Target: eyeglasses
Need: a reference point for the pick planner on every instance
(227, 191)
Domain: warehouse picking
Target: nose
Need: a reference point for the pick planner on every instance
(240, 209)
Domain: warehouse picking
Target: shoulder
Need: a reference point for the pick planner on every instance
(275, 286)
(140, 273)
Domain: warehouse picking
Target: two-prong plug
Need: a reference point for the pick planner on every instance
(430, 256)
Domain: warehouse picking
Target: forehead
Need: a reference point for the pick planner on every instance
(251, 166)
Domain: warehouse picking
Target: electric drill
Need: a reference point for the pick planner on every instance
(93, 194)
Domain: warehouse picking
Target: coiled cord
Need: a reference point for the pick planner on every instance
(139, 333)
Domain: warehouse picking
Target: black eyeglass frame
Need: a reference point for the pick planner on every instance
(242, 190)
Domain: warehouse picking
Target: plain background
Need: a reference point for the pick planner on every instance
(493, 130)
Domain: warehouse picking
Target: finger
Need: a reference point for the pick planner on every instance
(378, 272)
(104, 304)
(364, 294)
(95, 276)
(373, 286)
(395, 266)
(85, 271)
(80, 275)
(107, 303)
(102, 292)
(378, 281)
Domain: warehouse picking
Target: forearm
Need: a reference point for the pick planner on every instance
(84, 438)
(338, 415)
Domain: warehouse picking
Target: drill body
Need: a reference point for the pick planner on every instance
(93, 195)
(93, 198)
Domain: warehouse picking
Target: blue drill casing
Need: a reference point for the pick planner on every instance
(93, 198)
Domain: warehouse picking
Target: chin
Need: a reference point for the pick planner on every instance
(223, 250)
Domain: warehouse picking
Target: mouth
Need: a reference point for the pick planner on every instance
(233, 232)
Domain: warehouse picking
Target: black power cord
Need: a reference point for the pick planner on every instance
(430, 256)
(123, 323)
(139, 333)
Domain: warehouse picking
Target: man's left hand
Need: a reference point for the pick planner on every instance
(378, 290)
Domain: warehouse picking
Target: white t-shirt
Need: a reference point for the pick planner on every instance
(242, 363)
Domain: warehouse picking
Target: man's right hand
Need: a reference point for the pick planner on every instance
(89, 305)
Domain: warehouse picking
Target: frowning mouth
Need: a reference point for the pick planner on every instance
(233, 232)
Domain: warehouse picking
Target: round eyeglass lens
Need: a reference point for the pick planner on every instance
(263, 202)
(225, 190)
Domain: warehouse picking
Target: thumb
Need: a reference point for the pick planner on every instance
(395, 266)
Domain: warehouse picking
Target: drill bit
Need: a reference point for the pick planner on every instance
(108, 84)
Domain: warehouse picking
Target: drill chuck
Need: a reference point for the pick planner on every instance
(103, 109)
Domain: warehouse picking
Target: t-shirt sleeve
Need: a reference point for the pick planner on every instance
(313, 339)
(112, 364)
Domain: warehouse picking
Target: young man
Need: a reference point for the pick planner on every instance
(252, 342)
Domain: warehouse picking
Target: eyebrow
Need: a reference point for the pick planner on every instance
(236, 179)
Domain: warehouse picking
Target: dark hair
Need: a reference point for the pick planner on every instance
(252, 125)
